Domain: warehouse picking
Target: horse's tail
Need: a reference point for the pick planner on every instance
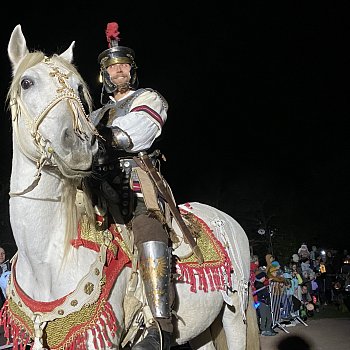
(253, 339)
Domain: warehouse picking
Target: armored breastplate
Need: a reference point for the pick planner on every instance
(115, 109)
(122, 107)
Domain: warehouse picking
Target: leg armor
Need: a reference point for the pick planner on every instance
(155, 267)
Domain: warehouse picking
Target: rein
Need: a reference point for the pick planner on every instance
(46, 154)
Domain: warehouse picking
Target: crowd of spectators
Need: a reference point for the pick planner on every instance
(311, 280)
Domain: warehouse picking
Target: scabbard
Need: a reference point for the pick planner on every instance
(149, 167)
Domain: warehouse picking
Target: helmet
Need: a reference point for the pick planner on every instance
(115, 54)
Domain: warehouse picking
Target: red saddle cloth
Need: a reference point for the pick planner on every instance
(215, 272)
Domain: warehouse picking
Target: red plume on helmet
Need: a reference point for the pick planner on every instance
(115, 53)
(112, 34)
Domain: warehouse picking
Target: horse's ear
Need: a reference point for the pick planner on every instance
(68, 54)
(17, 47)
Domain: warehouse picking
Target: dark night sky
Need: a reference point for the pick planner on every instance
(258, 95)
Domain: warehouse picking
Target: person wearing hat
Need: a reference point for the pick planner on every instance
(129, 122)
(303, 251)
(263, 296)
(273, 268)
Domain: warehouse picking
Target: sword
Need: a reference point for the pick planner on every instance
(149, 167)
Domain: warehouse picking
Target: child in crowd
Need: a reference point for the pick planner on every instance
(314, 291)
(307, 305)
(263, 296)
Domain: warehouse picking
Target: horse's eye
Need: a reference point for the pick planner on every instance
(26, 83)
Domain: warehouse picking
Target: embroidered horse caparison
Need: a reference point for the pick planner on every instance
(72, 285)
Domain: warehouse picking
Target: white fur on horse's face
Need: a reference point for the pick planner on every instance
(38, 87)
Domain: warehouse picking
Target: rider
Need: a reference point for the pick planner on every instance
(130, 120)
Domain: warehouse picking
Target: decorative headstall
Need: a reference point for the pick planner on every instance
(46, 154)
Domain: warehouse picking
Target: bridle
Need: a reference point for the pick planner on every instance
(46, 154)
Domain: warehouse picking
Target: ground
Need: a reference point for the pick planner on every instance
(328, 329)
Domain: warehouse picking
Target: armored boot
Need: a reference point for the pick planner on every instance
(155, 268)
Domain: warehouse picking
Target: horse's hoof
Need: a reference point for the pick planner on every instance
(152, 341)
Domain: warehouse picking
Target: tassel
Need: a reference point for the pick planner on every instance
(103, 328)
(111, 319)
(110, 322)
(217, 278)
(193, 281)
(25, 343)
(93, 331)
(78, 344)
(183, 273)
(105, 336)
(211, 280)
(75, 343)
(99, 336)
(200, 278)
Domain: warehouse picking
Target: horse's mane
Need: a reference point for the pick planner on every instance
(69, 185)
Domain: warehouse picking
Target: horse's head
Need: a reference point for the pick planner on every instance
(49, 104)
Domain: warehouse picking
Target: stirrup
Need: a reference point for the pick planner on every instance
(156, 339)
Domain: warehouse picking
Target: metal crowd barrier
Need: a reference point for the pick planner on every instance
(281, 302)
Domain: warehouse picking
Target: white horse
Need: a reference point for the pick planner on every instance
(71, 285)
